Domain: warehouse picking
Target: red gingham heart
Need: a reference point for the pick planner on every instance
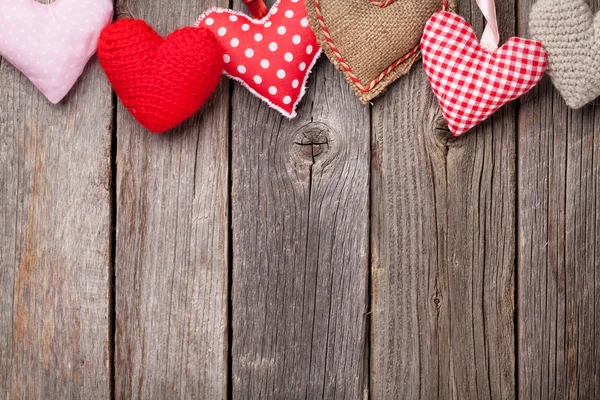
(469, 81)
(272, 57)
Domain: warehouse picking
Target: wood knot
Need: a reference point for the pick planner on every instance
(437, 301)
(442, 132)
(312, 142)
(442, 135)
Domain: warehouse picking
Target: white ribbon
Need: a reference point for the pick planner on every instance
(491, 36)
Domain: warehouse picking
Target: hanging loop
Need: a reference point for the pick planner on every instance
(491, 36)
(257, 8)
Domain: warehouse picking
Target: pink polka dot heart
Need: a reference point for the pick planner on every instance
(272, 57)
(52, 43)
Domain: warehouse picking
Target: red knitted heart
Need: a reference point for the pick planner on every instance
(272, 57)
(471, 82)
(161, 81)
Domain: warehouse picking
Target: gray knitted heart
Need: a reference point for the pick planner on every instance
(570, 34)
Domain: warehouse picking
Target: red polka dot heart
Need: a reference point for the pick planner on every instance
(272, 57)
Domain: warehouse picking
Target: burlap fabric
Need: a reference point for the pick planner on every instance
(373, 42)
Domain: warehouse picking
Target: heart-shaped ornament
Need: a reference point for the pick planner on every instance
(272, 57)
(571, 35)
(52, 43)
(373, 42)
(470, 81)
(162, 81)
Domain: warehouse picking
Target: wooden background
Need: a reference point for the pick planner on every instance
(354, 252)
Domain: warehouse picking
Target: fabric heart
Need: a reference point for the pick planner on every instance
(471, 82)
(161, 81)
(571, 35)
(52, 43)
(373, 42)
(272, 57)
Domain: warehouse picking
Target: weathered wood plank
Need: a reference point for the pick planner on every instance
(300, 244)
(172, 238)
(559, 243)
(54, 239)
(443, 251)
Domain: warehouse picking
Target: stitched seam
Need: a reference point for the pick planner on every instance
(382, 3)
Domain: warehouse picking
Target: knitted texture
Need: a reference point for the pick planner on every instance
(372, 42)
(471, 82)
(272, 57)
(571, 35)
(52, 43)
(161, 81)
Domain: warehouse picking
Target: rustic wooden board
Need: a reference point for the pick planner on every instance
(172, 242)
(559, 243)
(300, 244)
(442, 220)
(443, 251)
(54, 239)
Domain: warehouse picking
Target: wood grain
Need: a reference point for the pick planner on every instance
(172, 243)
(442, 220)
(300, 244)
(54, 239)
(559, 243)
(443, 252)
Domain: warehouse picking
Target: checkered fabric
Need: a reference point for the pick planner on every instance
(470, 82)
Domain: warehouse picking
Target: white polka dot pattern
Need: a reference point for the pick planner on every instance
(52, 43)
(271, 56)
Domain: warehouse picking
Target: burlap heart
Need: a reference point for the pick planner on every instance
(373, 42)
(571, 35)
